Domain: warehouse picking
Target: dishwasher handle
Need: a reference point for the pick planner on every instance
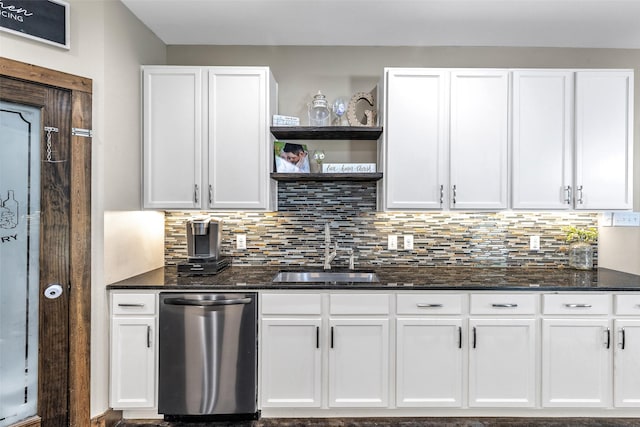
(206, 303)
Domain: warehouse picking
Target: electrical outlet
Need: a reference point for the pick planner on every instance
(534, 243)
(241, 241)
(408, 242)
(392, 242)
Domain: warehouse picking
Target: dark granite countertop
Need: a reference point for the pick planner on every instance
(423, 278)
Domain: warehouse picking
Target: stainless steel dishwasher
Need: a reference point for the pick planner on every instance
(208, 354)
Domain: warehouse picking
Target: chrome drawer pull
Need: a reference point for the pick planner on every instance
(504, 305)
(426, 305)
(578, 305)
(130, 305)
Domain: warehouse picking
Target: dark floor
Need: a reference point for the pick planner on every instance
(400, 422)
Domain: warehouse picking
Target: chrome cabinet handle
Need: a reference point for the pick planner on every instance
(501, 305)
(567, 190)
(130, 305)
(455, 193)
(459, 336)
(196, 191)
(317, 336)
(579, 191)
(332, 337)
(608, 331)
(206, 303)
(624, 339)
(441, 194)
(426, 305)
(474, 337)
(148, 336)
(578, 305)
(210, 194)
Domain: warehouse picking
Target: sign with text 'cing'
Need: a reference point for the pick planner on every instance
(43, 20)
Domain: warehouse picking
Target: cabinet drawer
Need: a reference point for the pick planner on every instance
(291, 304)
(359, 304)
(497, 303)
(627, 304)
(577, 304)
(427, 304)
(133, 304)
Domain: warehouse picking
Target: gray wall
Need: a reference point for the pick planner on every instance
(341, 71)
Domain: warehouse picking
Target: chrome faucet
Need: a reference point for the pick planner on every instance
(328, 255)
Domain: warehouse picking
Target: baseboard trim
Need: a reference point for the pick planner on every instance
(109, 419)
(29, 422)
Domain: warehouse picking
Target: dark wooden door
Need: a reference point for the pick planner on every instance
(54, 245)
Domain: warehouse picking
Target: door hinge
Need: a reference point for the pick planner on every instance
(87, 133)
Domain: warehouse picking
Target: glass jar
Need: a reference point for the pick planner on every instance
(319, 114)
(581, 256)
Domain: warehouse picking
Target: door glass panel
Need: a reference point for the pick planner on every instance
(19, 267)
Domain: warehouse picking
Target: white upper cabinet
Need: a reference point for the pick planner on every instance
(604, 140)
(478, 141)
(206, 137)
(172, 142)
(415, 138)
(542, 139)
(239, 137)
(448, 133)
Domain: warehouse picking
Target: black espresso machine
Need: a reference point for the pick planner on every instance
(203, 248)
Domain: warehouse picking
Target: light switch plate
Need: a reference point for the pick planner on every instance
(534, 243)
(408, 242)
(392, 242)
(626, 219)
(241, 241)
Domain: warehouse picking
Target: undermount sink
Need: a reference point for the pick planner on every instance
(326, 277)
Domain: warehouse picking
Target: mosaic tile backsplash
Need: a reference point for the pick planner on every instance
(294, 236)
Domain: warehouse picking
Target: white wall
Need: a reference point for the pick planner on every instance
(108, 45)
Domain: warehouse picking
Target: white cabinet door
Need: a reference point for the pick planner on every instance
(239, 153)
(542, 139)
(502, 362)
(429, 362)
(133, 367)
(291, 362)
(479, 143)
(172, 141)
(626, 381)
(576, 362)
(359, 362)
(415, 138)
(604, 140)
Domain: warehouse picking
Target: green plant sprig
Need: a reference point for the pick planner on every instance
(575, 234)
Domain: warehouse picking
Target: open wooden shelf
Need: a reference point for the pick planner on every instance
(292, 177)
(327, 132)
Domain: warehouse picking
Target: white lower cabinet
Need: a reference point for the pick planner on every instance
(576, 350)
(133, 351)
(502, 350)
(359, 362)
(429, 350)
(291, 362)
(429, 362)
(576, 361)
(626, 356)
(358, 353)
(502, 362)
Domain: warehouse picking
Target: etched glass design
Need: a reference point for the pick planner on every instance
(19, 253)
